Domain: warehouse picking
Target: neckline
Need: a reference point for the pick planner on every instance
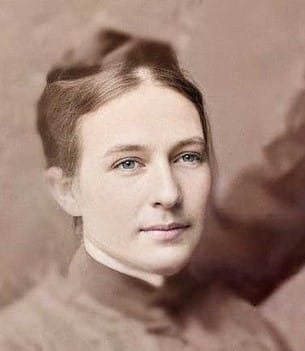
(128, 295)
(108, 261)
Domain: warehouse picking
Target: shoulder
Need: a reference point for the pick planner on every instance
(54, 315)
(234, 322)
(286, 309)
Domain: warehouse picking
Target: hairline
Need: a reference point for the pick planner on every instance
(144, 76)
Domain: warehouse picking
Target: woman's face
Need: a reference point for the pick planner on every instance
(142, 164)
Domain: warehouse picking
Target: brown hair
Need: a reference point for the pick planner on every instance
(87, 81)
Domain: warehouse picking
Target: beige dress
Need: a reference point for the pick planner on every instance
(97, 308)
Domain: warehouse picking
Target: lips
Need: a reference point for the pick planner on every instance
(165, 227)
(166, 232)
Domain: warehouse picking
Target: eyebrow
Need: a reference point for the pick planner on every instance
(137, 147)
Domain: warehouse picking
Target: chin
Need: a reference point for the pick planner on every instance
(169, 264)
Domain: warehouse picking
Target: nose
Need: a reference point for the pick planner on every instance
(166, 191)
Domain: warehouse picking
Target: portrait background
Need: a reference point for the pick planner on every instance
(247, 56)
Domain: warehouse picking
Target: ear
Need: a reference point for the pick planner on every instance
(62, 189)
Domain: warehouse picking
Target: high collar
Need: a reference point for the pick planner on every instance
(128, 295)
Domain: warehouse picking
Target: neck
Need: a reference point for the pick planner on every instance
(102, 257)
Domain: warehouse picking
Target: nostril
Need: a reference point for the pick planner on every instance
(169, 201)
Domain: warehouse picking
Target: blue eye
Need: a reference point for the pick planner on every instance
(128, 164)
(191, 158)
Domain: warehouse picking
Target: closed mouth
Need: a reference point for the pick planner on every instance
(165, 227)
(170, 232)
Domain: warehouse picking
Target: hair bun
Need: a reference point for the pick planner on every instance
(87, 60)
(111, 39)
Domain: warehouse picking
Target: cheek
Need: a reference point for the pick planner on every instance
(197, 191)
(109, 196)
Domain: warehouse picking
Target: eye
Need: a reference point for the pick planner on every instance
(128, 164)
(192, 158)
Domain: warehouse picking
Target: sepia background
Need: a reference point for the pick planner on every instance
(249, 59)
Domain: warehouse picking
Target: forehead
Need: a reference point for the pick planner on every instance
(149, 114)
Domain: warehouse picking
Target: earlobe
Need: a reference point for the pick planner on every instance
(61, 189)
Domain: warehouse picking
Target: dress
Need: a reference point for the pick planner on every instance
(98, 309)
(285, 308)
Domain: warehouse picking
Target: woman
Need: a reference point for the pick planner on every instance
(129, 156)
